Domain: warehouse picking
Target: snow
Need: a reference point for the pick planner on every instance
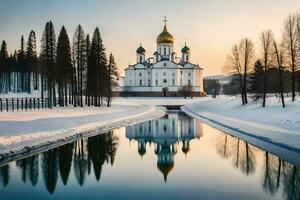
(29, 132)
(158, 100)
(272, 128)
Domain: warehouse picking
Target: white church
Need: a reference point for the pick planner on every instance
(163, 74)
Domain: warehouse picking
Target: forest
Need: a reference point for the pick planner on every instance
(64, 72)
(273, 67)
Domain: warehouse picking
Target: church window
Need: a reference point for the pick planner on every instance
(140, 82)
(189, 74)
(141, 59)
(165, 74)
(140, 74)
(165, 51)
(149, 82)
(156, 82)
(165, 64)
(189, 82)
(180, 72)
(165, 80)
(165, 128)
(149, 73)
(187, 58)
(173, 82)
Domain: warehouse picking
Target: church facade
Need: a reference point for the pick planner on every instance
(164, 73)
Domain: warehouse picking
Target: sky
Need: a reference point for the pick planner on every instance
(210, 27)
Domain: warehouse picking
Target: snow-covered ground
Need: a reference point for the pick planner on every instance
(27, 132)
(158, 100)
(272, 128)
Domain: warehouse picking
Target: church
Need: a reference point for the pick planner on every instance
(164, 73)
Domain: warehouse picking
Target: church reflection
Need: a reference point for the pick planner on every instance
(166, 134)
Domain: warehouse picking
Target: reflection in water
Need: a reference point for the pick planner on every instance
(243, 158)
(77, 161)
(165, 133)
(96, 150)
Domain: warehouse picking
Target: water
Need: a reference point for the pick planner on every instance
(176, 157)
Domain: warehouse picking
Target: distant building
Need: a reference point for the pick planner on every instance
(164, 74)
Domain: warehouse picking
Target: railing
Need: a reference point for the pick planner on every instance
(24, 104)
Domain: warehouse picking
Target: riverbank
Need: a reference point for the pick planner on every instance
(272, 128)
(29, 132)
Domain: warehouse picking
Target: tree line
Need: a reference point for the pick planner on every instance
(276, 68)
(75, 72)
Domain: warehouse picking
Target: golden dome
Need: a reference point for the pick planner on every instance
(165, 37)
(165, 169)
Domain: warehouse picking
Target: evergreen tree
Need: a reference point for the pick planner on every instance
(31, 61)
(21, 68)
(4, 71)
(257, 81)
(79, 55)
(88, 48)
(97, 68)
(112, 77)
(63, 66)
(47, 58)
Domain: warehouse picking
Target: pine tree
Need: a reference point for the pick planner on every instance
(97, 68)
(3, 67)
(257, 80)
(31, 61)
(88, 47)
(47, 58)
(79, 55)
(112, 77)
(63, 66)
(22, 68)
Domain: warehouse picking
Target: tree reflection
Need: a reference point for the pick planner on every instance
(80, 161)
(240, 152)
(4, 175)
(50, 169)
(270, 177)
(65, 161)
(102, 148)
(29, 169)
(291, 182)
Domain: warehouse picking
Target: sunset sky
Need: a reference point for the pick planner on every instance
(210, 27)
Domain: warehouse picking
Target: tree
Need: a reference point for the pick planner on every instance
(112, 77)
(257, 81)
(79, 55)
(290, 41)
(239, 64)
(4, 67)
(31, 61)
(279, 57)
(47, 59)
(63, 66)
(21, 67)
(266, 39)
(97, 66)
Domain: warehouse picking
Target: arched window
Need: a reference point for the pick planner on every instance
(165, 51)
(141, 59)
(140, 82)
(189, 82)
(165, 81)
(187, 58)
(148, 82)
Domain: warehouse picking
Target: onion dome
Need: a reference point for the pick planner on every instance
(185, 49)
(165, 169)
(140, 50)
(165, 37)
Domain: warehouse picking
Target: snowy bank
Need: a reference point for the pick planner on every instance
(273, 128)
(23, 133)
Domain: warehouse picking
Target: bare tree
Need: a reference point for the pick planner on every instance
(279, 57)
(240, 63)
(266, 40)
(290, 41)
